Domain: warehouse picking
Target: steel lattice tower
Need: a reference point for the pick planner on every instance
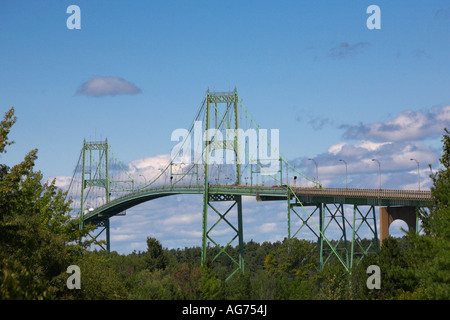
(231, 100)
(98, 177)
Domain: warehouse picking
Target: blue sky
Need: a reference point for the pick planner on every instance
(312, 69)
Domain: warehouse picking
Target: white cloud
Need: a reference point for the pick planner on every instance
(152, 163)
(393, 143)
(336, 148)
(62, 182)
(370, 145)
(147, 169)
(184, 219)
(406, 126)
(398, 171)
(99, 86)
(122, 237)
(268, 227)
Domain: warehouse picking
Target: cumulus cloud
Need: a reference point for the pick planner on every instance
(398, 171)
(269, 227)
(406, 126)
(123, 237)
(184, 219)
(394, 155)
(100, 86)
(149, 166)
(345, 49)
(62, 182)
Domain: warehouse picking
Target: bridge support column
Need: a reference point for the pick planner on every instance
(213, 143)
(350, 248)
(102, 226)
(364, 219)
(95, 174)
(326, 216)
(238, 230)
(390, 214)
(304, 217)
(339, 249)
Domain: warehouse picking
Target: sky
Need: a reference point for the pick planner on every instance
(137, 70)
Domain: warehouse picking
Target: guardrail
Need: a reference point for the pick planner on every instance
(363, 193)
(307, 194)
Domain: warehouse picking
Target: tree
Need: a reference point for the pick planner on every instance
(99, 279)
(396, 270)
(38, 238)
(437, 222)
(211, 287)
(156, 257)
(294, 257)
(432, 251)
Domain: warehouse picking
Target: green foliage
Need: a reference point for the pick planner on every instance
(397, 274)
(332, 283)
(294, 257)
(156, 257)
(431, 254)
(211, 287)
(5, 126)
(37, 235)
(100, 281)
(17, 283)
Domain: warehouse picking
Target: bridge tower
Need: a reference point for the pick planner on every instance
(95, 174)
(221, 114)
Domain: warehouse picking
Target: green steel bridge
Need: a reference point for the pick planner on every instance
(102, 188)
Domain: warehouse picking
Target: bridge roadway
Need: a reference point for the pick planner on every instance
(307, 195)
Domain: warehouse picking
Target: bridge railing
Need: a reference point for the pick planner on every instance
(363, 193)
(342, 193)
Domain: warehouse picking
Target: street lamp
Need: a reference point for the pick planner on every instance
(317, 169)
(418, 170)
(346, 172)
(218, 173)
(144, 177)
(379, 170)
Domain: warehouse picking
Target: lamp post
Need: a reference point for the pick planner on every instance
(346, 172)
(317, 169)
(163, 173)
(379, 170)
(418, 170)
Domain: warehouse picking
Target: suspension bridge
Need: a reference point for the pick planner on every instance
(219, 159)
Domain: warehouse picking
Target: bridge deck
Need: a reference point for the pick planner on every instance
(307, 196)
